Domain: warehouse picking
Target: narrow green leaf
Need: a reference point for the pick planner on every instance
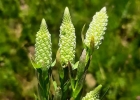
(72, 80)
(81, 65)
(79, 86)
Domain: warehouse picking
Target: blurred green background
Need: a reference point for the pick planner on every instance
(115, 65)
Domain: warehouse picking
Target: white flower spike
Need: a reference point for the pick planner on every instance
(43, 46)
(97, 29)
(67, 41)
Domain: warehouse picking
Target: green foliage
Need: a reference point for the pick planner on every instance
(118, 58)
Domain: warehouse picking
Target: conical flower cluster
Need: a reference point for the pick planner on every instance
(67, 42)
(43, 46)
(93, 95)
(96, 29)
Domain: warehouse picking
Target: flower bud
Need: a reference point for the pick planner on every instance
(67, 41)
(43, 46)
(93, 95)
(96, 29)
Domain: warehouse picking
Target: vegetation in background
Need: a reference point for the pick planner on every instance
(116, 64)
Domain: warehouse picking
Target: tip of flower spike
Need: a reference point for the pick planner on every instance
(103, 9)
(66, 10)
(66, 17)
(43, 25)
(43, 22)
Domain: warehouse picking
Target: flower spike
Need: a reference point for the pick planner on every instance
(96, 29)
(43, 46)
(67, 41)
